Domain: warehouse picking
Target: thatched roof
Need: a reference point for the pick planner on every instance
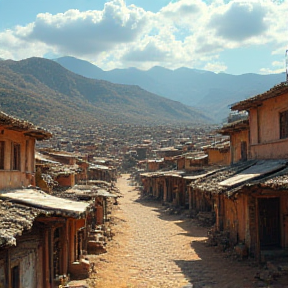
(15, 219)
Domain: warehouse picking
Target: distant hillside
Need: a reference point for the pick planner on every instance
(44, 92)
(208, 91)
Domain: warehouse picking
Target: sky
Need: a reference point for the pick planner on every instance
(234, 37)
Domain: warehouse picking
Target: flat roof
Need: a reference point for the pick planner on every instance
(39, 199)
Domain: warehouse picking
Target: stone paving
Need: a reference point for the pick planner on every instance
(152, 249)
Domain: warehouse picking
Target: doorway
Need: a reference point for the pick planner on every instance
(243, 151)
(269, 222)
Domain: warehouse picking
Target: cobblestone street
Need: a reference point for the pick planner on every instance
(153, 249)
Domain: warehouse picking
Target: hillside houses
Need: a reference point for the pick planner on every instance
(45, 235)
(258, 216)
(247, 197)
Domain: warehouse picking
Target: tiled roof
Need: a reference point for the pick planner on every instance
(255, 101)
(235, 126)
(28, 128)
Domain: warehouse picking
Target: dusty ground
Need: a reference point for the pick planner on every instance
(153, 249)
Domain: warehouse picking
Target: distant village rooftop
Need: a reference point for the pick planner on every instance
(239, 125)
(12, 123)
(258, 99)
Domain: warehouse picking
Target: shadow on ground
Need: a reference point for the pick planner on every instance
(211, 268)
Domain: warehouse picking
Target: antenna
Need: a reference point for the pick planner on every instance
(286, 56)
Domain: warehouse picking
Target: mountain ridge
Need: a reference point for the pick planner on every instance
(38, 84)
(191, 87)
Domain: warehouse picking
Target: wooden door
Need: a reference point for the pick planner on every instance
(269, 222)
(244, 151)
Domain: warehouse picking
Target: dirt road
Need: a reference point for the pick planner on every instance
(153, 249)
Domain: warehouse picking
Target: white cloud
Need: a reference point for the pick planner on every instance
(271, 71)
(90, 32)
(184, 33)
(215, 67)
(11, 47)
(277, 67)
(240, 21)
(150, 53)
(183, 9)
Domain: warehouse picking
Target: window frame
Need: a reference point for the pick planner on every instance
(16, 157)
(2, 155)
(283, 124)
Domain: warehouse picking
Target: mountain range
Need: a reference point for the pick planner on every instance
(209, 92)
(44, 92)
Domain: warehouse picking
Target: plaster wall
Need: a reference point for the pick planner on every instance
(216, 156)
(25, 176)
(236, 140)
(265, 129)
(66, 180)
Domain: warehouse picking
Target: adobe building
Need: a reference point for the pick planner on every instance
(41, 236)
(239, 140)
(17, 151)
(250, 198)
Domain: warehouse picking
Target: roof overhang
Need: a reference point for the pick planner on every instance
(39, 199)
(257, 100)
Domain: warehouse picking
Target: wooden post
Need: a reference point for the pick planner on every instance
(46, 260)
(8, 270)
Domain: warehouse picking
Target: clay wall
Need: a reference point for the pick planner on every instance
(217, 156)
(236, 139)
(265, 129)
(23, 176)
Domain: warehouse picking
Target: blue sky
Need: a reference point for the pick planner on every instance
(235, 36)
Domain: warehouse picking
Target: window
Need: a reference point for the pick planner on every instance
(15, 156)
(243, 150)
(284, 124)
(2, 152)
(15, 277)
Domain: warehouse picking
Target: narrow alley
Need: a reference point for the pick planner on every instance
(153, 249)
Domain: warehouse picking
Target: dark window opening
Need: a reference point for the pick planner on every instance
(16, 157)
(57, 253)
(284, 125)
(15, 275)
(244, 151)
(269, 222)
(2, 153)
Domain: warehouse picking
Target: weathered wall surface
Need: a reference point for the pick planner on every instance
(23, 176)
(265, 129)
(217, 156)
(236, 140)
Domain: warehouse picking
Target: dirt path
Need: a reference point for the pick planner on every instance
(152, 249)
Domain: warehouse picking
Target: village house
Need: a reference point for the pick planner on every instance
(239, 140)
(41, 236)
(102, 172)
(64, 167)
(218, 154)
(100, 195)
(250, 198)
(44, 246)
(17, 150)
(167, 152)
